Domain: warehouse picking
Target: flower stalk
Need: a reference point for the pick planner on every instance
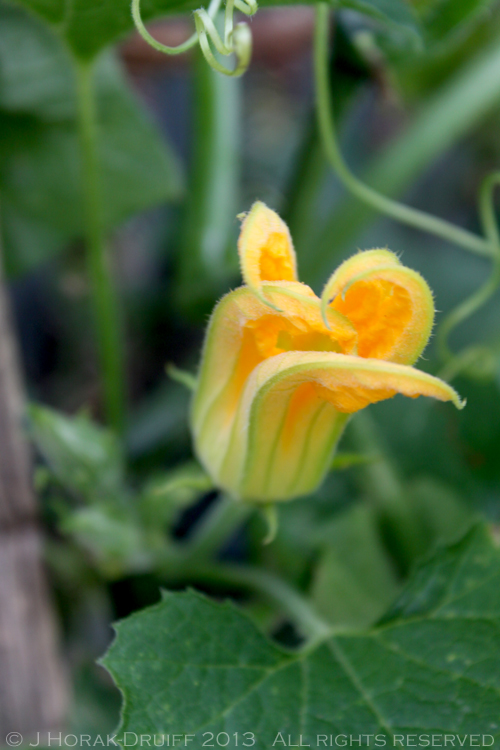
(286, 598)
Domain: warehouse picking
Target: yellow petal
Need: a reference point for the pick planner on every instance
(243, 332)
(390, 305)
(265, 249)
(353, 266)
(292, 413)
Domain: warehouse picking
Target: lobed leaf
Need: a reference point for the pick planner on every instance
(191, 666)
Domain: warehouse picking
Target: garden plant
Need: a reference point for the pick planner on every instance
(290, 553)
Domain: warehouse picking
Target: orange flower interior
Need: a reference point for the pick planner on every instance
(264, 333)
(380, 311)
(275, 260)
(265, 249)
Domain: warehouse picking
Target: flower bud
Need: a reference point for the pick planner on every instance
(282, 370)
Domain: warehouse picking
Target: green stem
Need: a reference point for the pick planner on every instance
(195, 563)
(487, 209)
(326, 123)
(466, 309)
(104, 298)
(483, 294)
(208, 223)
(277, 591)
(214, 530)
(465, 361)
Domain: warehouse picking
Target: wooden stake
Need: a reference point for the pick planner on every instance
(33, 691)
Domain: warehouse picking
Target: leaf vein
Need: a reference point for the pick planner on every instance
(351, 674)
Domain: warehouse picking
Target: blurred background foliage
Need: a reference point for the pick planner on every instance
(182, 150)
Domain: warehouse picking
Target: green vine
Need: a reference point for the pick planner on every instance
(481, 295)
(489, 245)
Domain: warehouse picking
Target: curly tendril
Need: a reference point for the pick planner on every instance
(237, 39)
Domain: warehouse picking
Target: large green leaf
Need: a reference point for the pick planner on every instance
(191, 666)
(90, 25)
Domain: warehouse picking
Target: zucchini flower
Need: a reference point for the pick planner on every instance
(282, 370)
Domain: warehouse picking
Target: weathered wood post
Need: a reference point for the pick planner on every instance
(33, 694)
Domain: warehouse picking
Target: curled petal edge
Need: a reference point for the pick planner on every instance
(293, 411)
(391, 306)
(241, 323)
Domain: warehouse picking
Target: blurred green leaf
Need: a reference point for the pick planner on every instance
(443, 24)
(40, 176)
(459, 450)
(91, 25)
(40, 162)
(160, 422)
(138, 168)
(354, 581)
(399, 15)
(53, 11)
(83, 457)
(444, 514)
(26, 242)
(167, 494)
(431, 667)
(114, 541)
(36, 74)
(442, 19)
(420, 75)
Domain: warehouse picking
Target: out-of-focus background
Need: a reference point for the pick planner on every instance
(183, 151)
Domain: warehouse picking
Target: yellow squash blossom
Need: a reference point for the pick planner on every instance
(282, 370)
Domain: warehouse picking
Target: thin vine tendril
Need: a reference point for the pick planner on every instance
(475, 358)
(470, 356)
(237, 39)
(326, 124)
